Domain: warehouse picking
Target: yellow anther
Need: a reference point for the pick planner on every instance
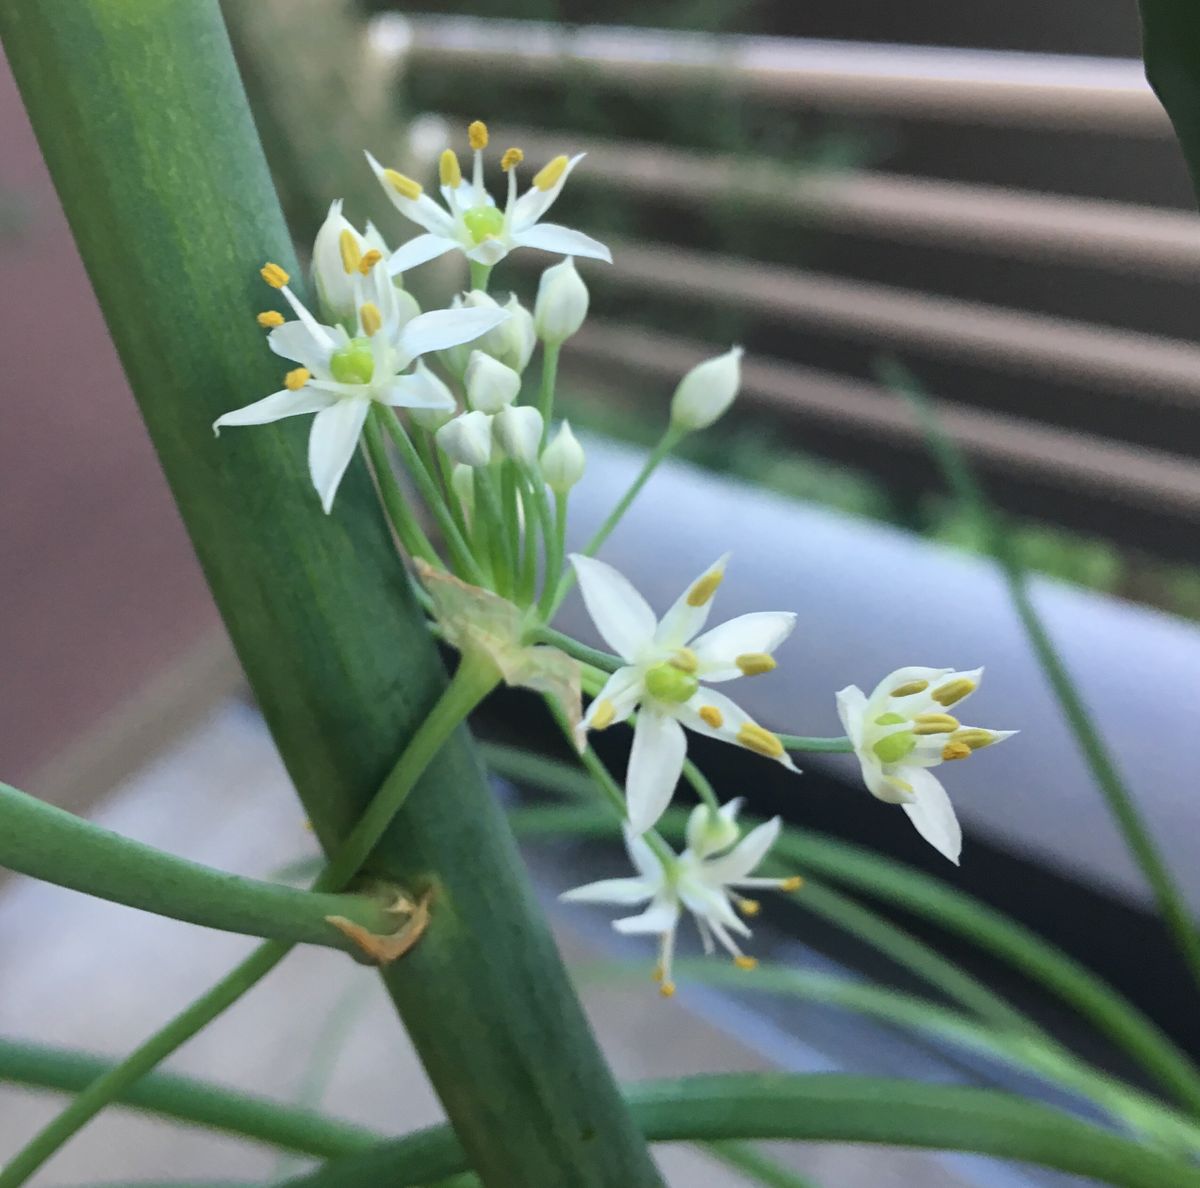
(759, 740)
(749, 907)
(369, 260)
(269, 319)
(477, 134)
(743, 962)
(955, 750)
(792, 884)
(909, 688)
(705, 588)
(713, 716)
(295, 380)
(934, 724)
(755, 663)
(667, 989)
(351, 252)
(685, 660)
(548, 175)
(973, 737)
(511, 159)
(953, 691)
(274, 275)
(404, 186)
(602, 719)
(370, 317)
(449, 171)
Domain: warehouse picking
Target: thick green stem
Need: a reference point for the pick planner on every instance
(44, 842)
(480, 275)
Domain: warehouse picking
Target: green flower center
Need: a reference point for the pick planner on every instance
(668, 683)
(353, 363)
(484, 222)
(894, 747)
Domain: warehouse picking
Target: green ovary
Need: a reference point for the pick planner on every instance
(353, 363)
(668, 683)
(895, 747)
(484, 222)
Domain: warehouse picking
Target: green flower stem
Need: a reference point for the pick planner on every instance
(187, 1100)
(800, 742)
(529, 544)
(700, 782)
(670, 439)
(1100, 760)
(392, 496)
(512, 518)
(464, 563)
(489, 517)
(820, 1107)
(550, 354)
(480, 275)
(588, 655)
(549, 527)
(44, 842)
(757, 1166)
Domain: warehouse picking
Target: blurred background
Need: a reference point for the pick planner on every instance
(988, 192)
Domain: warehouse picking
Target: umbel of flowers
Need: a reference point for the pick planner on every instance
(451, 396)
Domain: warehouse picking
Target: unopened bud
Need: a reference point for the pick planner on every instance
(563, 461)
(462, 482)
(561, 305)
(437, 407)
(491, 385)
(467, 439)
(710, 832)
(336, 243)
(518, 431)
(456, 358)
(706, 391)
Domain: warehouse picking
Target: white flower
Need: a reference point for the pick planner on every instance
(902, 730)
(471, 222)
(518, 432)
(490, 385)
(340, 376)
(703, 880)
(467, 439)
(707, 391)
(512, 342)
(441, 407)
(563, 460)
(664, 665)
(561, 305)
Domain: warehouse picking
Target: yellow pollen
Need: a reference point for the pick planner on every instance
(743, 962)
(685, 660)
(713, 716)
(792, 884)
(274, 275)
(934, 724)
(667, 989)
(602, 719)
(548, 175)
(907, 690)
(755, 663)
(404, 186)
(761, 741)
(477, 134)
(749, 907)
(955, 750)
(974, 737)
(370, 317)
(295, 380)
(369, 260)
(511, 159)
(953, 691)
(269, 319)
(705, 588)
(351, 252)
(449, 171)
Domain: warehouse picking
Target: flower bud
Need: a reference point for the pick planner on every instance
(518, 334)
(706, 391)
(467, 439)
(562, 461)
(455, 358)
(519, 432)
(711, 832)
(462, 482)
(562, 303)
(439, 406)
(334, 285)
(491, 385)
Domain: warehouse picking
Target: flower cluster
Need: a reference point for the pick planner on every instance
(447, 393)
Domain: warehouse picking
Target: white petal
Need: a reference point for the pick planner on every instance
(447, 328)
(711, 905)
(619, 891)
(733, 718)
(661, 916)
(744, 857)
(623, 689)
(489, 252)
(305, 345)
(332, 443)
(891, 789)
(717, 649)
(552, 238)
(659, 749)
(419, 250)
(932, 813)
(645, 861)
(534, 202)
(851, 707)
(620, 613)
(422, 210)
(683, 620)
(421, 389)
(275, 407)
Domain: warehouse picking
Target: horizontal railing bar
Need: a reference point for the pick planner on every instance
(1138, 366)
(1111, 235)
(1064, 458)
(1035, 90)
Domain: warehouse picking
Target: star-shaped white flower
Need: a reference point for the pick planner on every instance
(471, 222)
(702, 879)
(665, 664)
(340, 375)
(902, 730)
